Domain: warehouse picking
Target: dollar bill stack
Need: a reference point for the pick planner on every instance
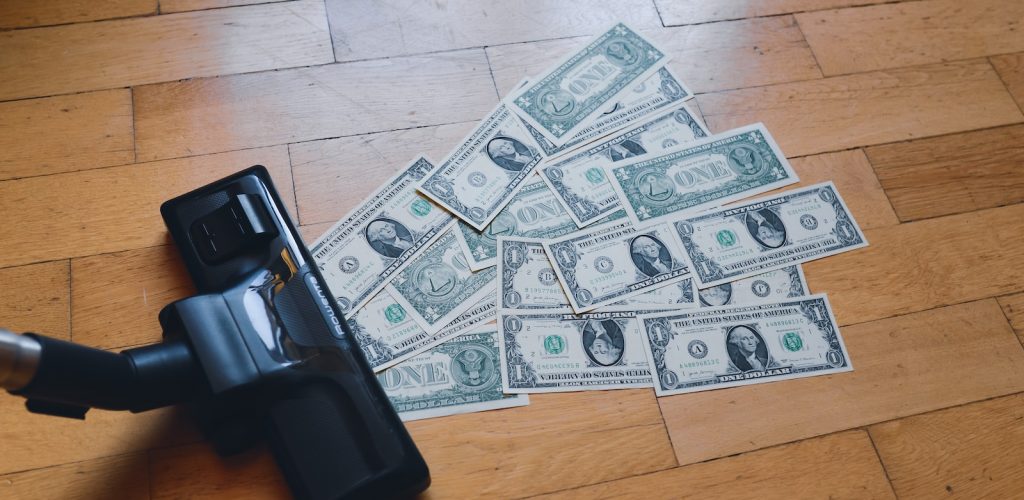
(590, 233)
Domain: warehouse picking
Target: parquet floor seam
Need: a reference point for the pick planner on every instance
(1003, 79)
(567, 429)
(789, 13)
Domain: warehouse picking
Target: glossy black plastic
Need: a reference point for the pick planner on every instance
(277, 355)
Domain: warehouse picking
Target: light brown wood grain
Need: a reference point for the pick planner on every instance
(973, 451)
(312, 232)
(1011, 69)
(952, 174)
(33, 441)
(855, 180)
(36, 299)
(63, 59)
(203, 116)
(911, 33)
(113, 209)
(869, 108)
(839, 466)
(1013, 308)
(921, 265)
(559, 441)
(116, 297)
(739, 54)
(171, 6)
(901, 366)
(29, 13)
(366, 29)
(123, 477)
(196, 472)
(333, 176)
(706, 58)
(65, 133)
(677, 12)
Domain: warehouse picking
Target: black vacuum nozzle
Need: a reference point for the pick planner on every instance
(263, 353)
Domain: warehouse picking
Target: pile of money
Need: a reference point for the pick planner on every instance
(589, 234)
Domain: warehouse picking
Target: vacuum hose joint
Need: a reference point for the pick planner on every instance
(65, 379)
(19, 360)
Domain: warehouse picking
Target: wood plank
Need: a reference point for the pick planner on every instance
(171, 6)
(902, 366)
(706, 57)
(856, 181)
(545, 446)
(123, 476)
(31, 13)
(921, 265)
(65, 133)
(113, 310)
(36, 298)
(952, 174)
(507, 453)
(678, 12)
(739, 54)
(974, 451)
(367, 29)
(64, 59)
(312, 232)
(1011, 69)
(241, 111)
(869, 108)
(333, 176)
(114, 209)
(838, 466)
(196, 472)
(32, 441)
(905, 34)
(1013, 308)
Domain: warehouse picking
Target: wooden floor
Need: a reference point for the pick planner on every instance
(913, 109)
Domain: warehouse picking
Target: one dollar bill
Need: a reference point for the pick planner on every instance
(771, 233)
(721, 347)
(579, 180)
(708, 173)
(561, 351)
(527, 281)
(533, 212)
(654, 95)
(486, 170)
(388, 334)
(438, 285)
(676, 296)
(461, 375)
(572, 93)
(771, 286)
(372, 243)
(610, 262)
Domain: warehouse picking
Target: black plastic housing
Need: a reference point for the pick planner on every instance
(72, 378)
(276, 353)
